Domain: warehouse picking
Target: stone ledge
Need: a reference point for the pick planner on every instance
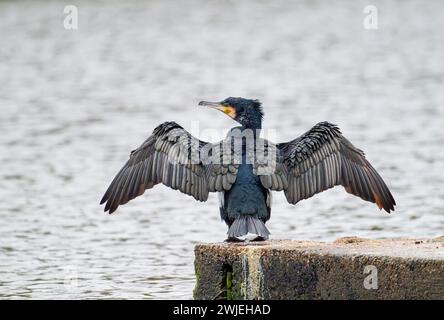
(348, 268)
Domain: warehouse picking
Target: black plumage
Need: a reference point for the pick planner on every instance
(244, 177)
(321, 159)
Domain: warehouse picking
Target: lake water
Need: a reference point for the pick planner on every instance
(75, 102)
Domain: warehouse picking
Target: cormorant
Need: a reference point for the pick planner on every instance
(244, 168)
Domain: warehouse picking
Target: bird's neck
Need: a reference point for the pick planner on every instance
(252, 121)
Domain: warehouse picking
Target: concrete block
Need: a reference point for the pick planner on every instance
(348, 268)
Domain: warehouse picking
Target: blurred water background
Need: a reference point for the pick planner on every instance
(75, 102)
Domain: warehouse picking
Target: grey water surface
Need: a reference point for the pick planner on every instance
(74, 103)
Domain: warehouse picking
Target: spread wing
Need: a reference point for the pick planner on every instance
(321, 159)
(171, 156)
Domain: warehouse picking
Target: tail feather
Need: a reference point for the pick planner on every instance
(248, 224)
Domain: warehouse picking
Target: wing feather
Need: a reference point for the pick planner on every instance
(321, 159)
(168, 156)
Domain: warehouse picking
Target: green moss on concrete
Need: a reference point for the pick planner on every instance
(229, 285)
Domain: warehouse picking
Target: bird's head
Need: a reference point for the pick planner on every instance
(247, 112)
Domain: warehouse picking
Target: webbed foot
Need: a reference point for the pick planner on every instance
(259, 238)
(233, 239)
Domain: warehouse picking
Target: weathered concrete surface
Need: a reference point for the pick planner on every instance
(288, 269)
